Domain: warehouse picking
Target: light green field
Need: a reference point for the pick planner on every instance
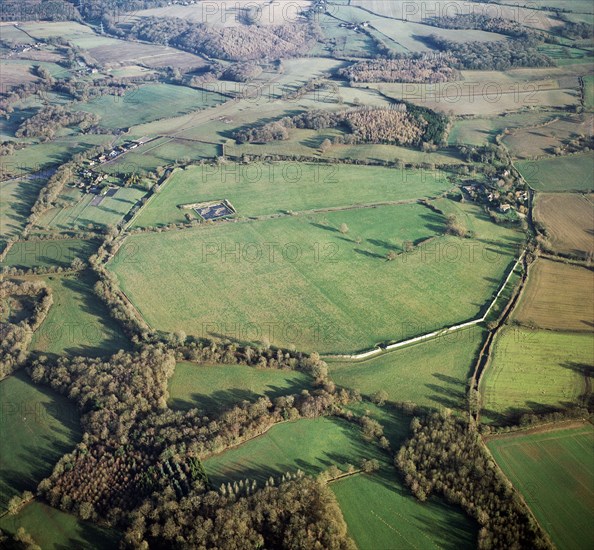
(18, 196)
(217, 387)
(569, 173)
(77, 323)
(148, 103)
(38, 426)
(380, 513)
(55, 530)
(553, 471)
(268, 188)
(310, 444)
(431, 374)
(48, 253)
(479, 131)
(83, 215)
(299, 281)
(535, 371)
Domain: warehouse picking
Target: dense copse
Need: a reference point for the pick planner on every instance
(35, 10)
(134, 445)
(230, 43)
(575, 30)
(482, 22)
(405, 125)
(446, 456)
(16, 337)
(9, 147)
(531, 420)
(82, 90)
(50, 120)
(421, 68)
(487, 56)
(242, 72)
(299, 512)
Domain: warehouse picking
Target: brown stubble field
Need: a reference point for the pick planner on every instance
(568, 219)
(558, 297)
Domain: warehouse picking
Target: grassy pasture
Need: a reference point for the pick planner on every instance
(269, 188)
(18, 196)
(380, 513)
(53, 529)
(214, 388)
(316, 283)
(38, 426)
(48, 253)
(417, 10)
(431, 374)
(479, 98)
(222, 13)
(479, 131)
(569, 173)
(528, 142)
(535, 371)
(310, 444)
(148, 103)
(82, 214)
(549, 302)
(77, 323)
(553, 471)
(569, 221)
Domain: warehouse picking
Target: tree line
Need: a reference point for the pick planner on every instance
(15, 337)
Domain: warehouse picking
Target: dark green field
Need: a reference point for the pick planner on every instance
(216, 387)
(38, 426)
(553, 471)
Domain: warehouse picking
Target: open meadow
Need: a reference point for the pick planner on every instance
(38, 426)
(557, 297)
(18, 196)
(77, 323)
(568, 220)
(260, 189)
(214, 388)
(553, 472)
(299, 280)
(53, 529)
(568, 173)
(48, 253)
(431, 374)
(535, 371)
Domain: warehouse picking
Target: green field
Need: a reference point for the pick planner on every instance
(77, 323)
(18, 196)
(269, 188)
(80, 214)
(553, 471)
(310, 445)
(479, 131)
(570, 173)
(214, 388)
(38, 426)
(148, 103)
(54, 530)
(431, 374)
(48, 253)
(298, 281)
(535, 371)
(380, 513)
